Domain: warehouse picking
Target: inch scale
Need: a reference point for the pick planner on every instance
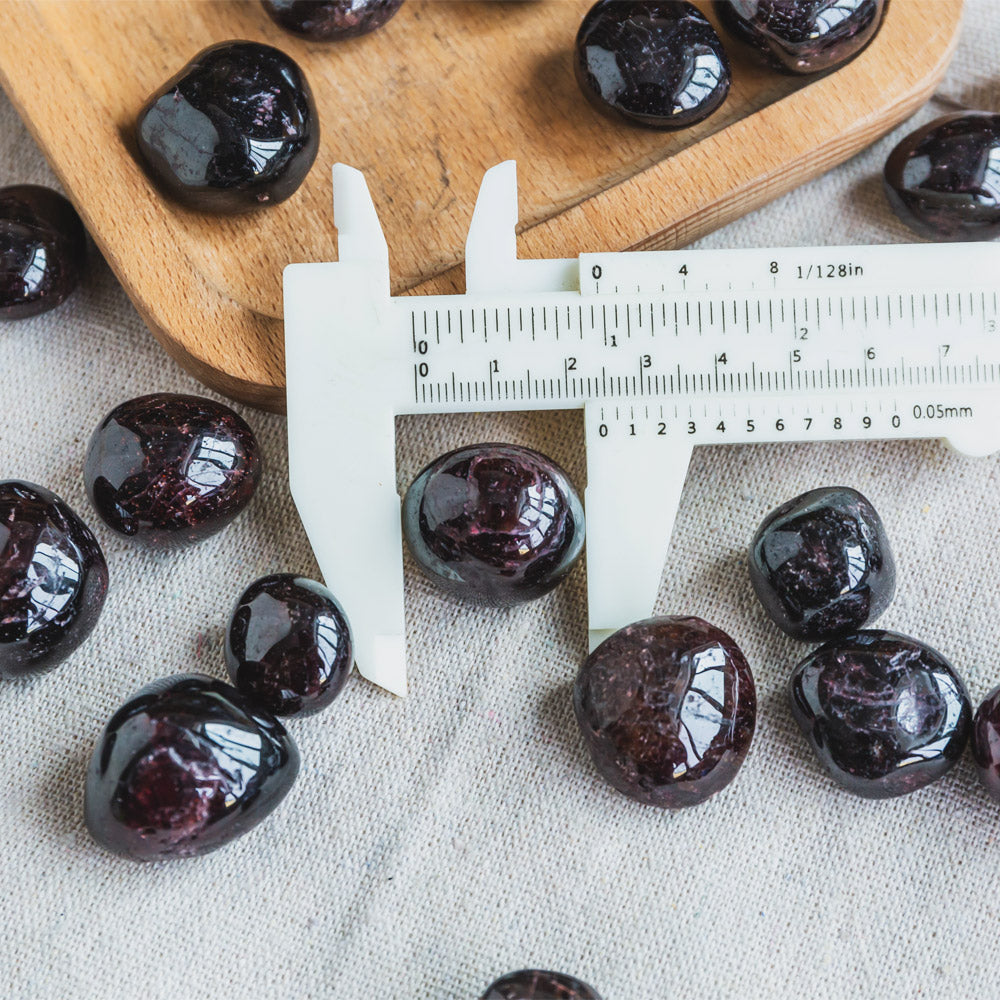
(662, 350)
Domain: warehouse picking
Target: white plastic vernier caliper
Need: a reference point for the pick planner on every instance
(662, 351)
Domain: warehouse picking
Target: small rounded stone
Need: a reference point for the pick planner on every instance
(667, 708)
(496, 524)
(538, 984)
(235, 129)
(942, 180)
(886, 714)
(53, 579)
(821, 565)
(43, 247)
(803, 36)
(288, 645)
(331, 20)
(657, 63)
(171, 469)
(185, 766)
(986, 743)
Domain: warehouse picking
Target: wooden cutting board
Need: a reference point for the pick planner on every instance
(423, 107)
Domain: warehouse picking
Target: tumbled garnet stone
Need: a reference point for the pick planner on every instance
(803, 36)
(886, 714)
(943, 180)
(171, 469)
(234, 130)
(185, 766)
(43, 247)
(821, 564)
(657, 63)
(537, 984)
(288, 645)
(494, 523)
(331, 20)
(667, 708)
(53, 579)
(986, 742)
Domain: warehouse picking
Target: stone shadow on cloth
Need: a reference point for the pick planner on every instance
(59, 794)
(557, 725)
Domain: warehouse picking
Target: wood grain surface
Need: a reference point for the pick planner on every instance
(424, 106)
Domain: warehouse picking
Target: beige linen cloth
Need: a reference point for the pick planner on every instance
(433, 843)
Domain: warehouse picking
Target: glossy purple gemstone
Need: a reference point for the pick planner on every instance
(186, 765)
(53, 579)
(494, 523)
(288, 645)
(667, 708)
(803, 36)
(942, 179)
(657, 63)
(171, 469)
(331, 20)
(234, 130)
(43, 247)
(821, 564)
(986, 742)
(885, 714)
(537, 984)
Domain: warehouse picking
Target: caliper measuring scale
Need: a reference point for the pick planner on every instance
(662, 350)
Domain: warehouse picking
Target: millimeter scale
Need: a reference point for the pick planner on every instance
(662, 350)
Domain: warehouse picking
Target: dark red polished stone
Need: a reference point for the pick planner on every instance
(494, 523)
(43, 247)
(235, 129)
(331, 20)
(803, 36)
(943, 180)
(986, 742)
(886, 714)
(657, 63)
(186, 765)
(667, 708)
(171, 469)
(821, 564)
(53, 579)
(537, 984)
(288, 645)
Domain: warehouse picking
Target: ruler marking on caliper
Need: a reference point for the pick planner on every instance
(749, 357)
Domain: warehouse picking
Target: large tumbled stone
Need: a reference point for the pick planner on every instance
(803, 36)
(53, 579)
(667, 708)
(821, 564)
(886, 714)
(943, 180)
(986, 743)
(186, 765)
(495, 524)
(171, 469)
(331, 20)
(43, 248)
(539, 984)
(235, 129)
(288, 645)
(657, 63)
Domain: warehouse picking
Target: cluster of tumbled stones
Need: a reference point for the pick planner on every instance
(661, 64)
(885, 713)
(188, 762)
(237, 127)
(667, 706)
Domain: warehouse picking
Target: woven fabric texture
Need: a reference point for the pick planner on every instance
(431, 844)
